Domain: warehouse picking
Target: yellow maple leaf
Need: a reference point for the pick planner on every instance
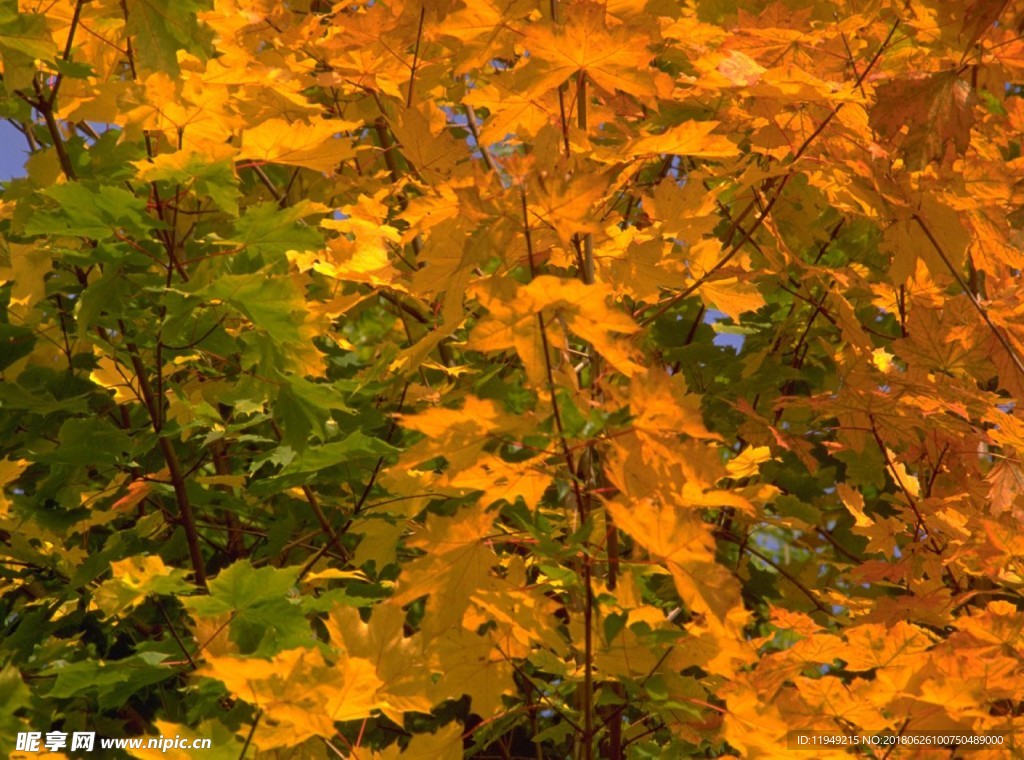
(663, 409)
(669, 533)
(683, 542)
(614, 58)
(638, 269)
(319, 145)
(28, 267)
(188, 112)
(112, 376)
(138, 572)
(876, 645)
(565, 201)
(134, 579)
(755, 726)
(399, 659)
(732, 296)
(299, 692)
(522, 617)
(903, 478)
(746, 464)
(854, 503)
(362, 252)
(432, 153)
(445, 742)
(512, 108)
(221, 737)
(512, 321)
(459, 435)
(471, 664)
(499, 479)
(691, 138)
(459, 561)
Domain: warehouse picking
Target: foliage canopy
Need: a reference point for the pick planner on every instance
(398, 378)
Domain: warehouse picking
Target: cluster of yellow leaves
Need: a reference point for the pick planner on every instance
(902, 678)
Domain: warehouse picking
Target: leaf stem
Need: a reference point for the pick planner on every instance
(982, 311)
(416, 54)
(67, 51)
(185, 512)
(252, 730)
(581, 507)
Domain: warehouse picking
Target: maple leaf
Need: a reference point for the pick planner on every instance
(319, 145)
(566, 204)
(498, 479)
(431, 152)
(459, 434)
(910, 238)
(134, 579)
(512, 321)
(773, 32)
(584, 43)
(523, 615)
(457, 563)
(877, 646)
(753, 724)
(27, 271)
(979, 17)
(185, 112)
(470, 664)
(161, 28)
(663, 409)
(108, 374)
(928, 117)
(730, 295)
(512, 107)
(300, 692)
(445, 742)
(1006, 482)
(747, 464)
(483, 31)
(692, 138)
(384, 643)
(361, 253)
(639, 269)
(678, 538)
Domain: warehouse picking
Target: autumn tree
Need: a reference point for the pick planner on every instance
(395, 378)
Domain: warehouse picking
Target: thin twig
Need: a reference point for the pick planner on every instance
(581, 506)
(67, 51)
(177, 638)
(416, 54)
(474, 129)
(745, 546)
(252, 730)
(1003, 341)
